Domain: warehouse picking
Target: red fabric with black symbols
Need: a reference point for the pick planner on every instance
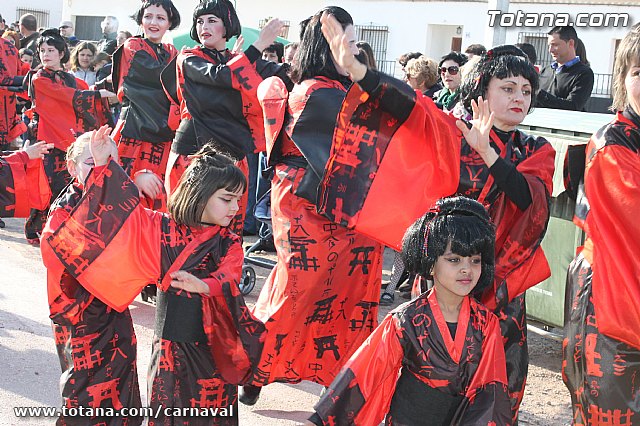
(11, 124)
(415, 337)
(23, 185)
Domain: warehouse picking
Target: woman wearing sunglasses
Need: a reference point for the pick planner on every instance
(395, 146)
(449, 70)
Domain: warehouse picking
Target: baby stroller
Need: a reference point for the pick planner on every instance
(262, 213)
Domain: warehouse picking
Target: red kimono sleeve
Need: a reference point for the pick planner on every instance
(361, 393)
(612, 186)
(392, 148)
(23, 185)
(110, 243)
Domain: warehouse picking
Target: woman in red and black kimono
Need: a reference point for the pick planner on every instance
(391, 141)
(437, 360)
(320, 302)
(206, 340)
(95, 342)
(601, 349)
(142, 132)
(11, 125)
(216, 90)
(62, 107)
(23, 184)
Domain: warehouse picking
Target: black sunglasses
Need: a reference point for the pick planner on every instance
(63, 27)
(453, 70)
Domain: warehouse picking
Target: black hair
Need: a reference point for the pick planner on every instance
(565, 33)
(303, 26)
(529, 50)
(208, 172)
(29, 21)
(406, 57)
(461, 221)
(457, 57)
(26, 51)
(314, 54)
(224, 10)
(167, 5)
(500, 62)
(53, 38)
(277, 48)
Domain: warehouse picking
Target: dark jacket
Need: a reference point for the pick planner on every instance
(569, 89)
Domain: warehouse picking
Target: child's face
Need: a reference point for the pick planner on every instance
(222, 207)
(99, 65)
(27, 59)
(456, 275)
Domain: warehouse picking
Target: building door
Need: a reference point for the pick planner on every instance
(456, 44)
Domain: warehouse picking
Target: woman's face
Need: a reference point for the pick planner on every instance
(451, 77)
(155, 23)
(50, 56)
(85, 56)
(222, 207)
(509, 101)
(211, 31)
(81, 166)
(632, 84)
(350, 33)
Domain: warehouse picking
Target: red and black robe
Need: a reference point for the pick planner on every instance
(63, 107)
(204, 345)
(11, 124)
(320, 302)
(393, 147)
(142, 132)
(601, 349)
(96, 344)
(217, 95)
(412, 370)
(23, 185)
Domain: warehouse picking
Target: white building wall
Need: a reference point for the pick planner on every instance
(413, 26)
(8, 9)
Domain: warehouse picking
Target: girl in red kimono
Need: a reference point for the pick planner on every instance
(23, 184)
(216, 91)
(601, 349)
(391, 141)
(11, 125)
(320, 302)
(62, 107)
(142, 132)
(436, 360)
(96, 343)
(206, 340)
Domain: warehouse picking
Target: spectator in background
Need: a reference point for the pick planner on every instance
(28, 25)
(274, 52)
(475, 50)
(26, 57)
(566, 83)
(366, 53)
(289, 52)
(3, 26)
(12, 36)
(581, 52)
(68, 32)
(403, 59)
(422, 74)
(122, 36)
(449, 68)
(82, 62)
(530, 51)
(108, 42)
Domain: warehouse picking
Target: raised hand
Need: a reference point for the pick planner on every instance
(37, 150)
(102, 146)
(186, 281)
(237, 46)
(268, 34)
(478, 136)
(340, 47)
(149, 184)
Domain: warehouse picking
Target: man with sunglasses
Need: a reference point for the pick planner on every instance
(449, 69)
(67, 31)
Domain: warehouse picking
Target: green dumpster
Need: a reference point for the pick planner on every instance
(545, 302)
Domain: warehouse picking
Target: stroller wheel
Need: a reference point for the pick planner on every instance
(248, 280)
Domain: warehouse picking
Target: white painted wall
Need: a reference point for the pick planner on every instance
(8, 9)
(413, 26)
